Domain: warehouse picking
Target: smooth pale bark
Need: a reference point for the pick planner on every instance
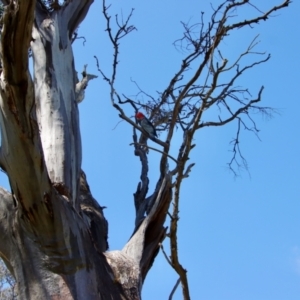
(56, 107)
(53, 234)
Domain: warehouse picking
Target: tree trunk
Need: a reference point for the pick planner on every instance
(53, 235)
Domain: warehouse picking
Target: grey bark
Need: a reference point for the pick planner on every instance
(53, 234)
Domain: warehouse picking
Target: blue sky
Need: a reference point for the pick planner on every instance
(238, 237)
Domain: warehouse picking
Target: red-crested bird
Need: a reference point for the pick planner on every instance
(146, 124)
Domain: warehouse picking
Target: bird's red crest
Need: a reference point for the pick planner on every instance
(139, 115)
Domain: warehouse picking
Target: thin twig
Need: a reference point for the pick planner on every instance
(165, 254)
(174, 289)
(139, 144)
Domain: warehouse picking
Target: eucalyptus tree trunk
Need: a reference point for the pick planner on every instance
(53, 234)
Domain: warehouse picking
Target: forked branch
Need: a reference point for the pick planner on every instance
(200, 84)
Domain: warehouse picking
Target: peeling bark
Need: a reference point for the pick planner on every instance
(52, 230)
(56, 107)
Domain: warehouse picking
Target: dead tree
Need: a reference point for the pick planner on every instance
(53, 234)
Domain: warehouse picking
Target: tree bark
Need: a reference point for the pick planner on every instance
(53, 234)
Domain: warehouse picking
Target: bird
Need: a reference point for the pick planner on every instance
(146, 124)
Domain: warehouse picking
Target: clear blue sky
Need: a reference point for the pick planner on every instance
(238, 238)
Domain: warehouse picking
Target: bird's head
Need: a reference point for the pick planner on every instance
(139, 116)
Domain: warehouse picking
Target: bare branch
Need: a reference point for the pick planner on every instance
(144, 243)
(76, 37)
(235, 114)
(174, 289)
(188, 170)
(198, 85)
(165, 254)
(148, 147)
(256, 20)
(143, 186)
(123, 30)
(173, 240)
(237, 152)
